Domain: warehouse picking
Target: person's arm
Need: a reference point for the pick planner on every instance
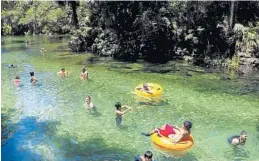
(176, 138)
(150, 92)
(129, 108)
(125, 106)
(176, 127)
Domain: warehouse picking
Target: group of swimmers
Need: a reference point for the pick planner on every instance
(62, 73)
(174, 133)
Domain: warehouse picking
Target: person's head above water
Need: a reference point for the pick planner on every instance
(148, 155)
(243, 135)
(87, 98)
(63, 69)
(17, 77)
(187, 125)
(145, 86)
(32, 74)
(83, 69)
(118, 105)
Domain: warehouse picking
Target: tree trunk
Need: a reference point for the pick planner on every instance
(74, 14)
(232, 8)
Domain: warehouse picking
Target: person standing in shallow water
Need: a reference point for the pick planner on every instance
(88, 104)
(119, 113)
(84, 74)
(238, 139)
(33, 79)
(17, 81)
(63, 72)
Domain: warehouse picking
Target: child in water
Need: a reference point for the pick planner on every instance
(17, 81)
(63, 72)
(84, 74)
(119, 113)
(33, 79)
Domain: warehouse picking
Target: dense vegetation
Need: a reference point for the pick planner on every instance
(207, 33)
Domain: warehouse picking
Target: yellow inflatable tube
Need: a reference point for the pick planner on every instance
(165, 143)
(155, 90)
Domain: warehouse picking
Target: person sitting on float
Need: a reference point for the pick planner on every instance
(145, 88)
(174, 133)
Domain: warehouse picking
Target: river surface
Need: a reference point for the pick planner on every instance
(48, 121)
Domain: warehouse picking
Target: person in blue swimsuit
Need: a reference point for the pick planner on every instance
(119, 113)
(146, 157)
(238, 139)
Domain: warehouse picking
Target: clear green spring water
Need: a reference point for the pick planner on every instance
(49, 122)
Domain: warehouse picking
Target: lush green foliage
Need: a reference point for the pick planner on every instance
(35, 17)
(206, 32)
(160, 31)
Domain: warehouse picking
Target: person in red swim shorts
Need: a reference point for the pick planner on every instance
(173, 132)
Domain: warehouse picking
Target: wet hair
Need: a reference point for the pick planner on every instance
(32, 74)
(83, 69)
(148, 154)
(17, 77)
(118, 105)
(63, 69)
(187, 124)
(243, 133)
(88, 97)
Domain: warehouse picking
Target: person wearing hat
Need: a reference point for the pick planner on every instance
(238, 139)
(173, 132)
